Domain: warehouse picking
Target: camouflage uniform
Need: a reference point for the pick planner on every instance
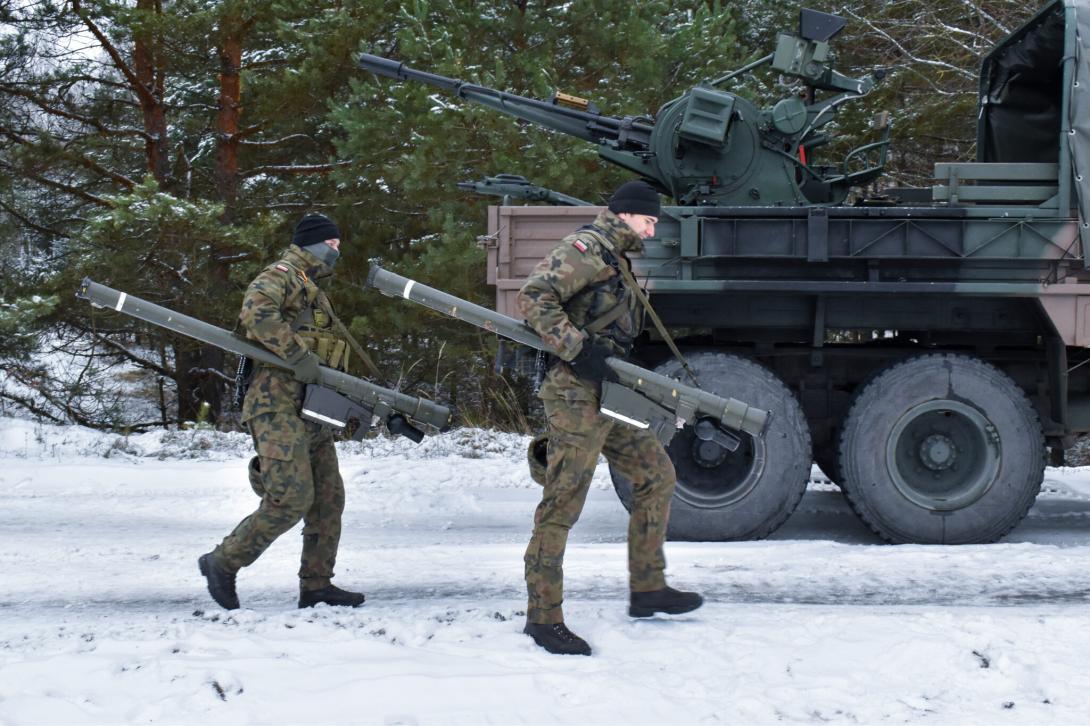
(568, 290)
(299, 476)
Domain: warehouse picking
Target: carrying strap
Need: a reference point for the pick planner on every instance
(306, 317)
(630, 280)
(609, 318)
(327, 308)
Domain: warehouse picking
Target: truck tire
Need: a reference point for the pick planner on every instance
(748, 493)
(941, 449)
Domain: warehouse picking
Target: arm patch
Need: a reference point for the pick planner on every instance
(578, 244)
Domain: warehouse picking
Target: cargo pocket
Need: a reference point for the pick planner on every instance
(279, 445)
(277, 452)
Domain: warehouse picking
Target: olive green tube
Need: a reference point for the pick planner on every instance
(373, 396)
(686, 401)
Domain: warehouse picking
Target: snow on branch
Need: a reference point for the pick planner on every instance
(296, 169)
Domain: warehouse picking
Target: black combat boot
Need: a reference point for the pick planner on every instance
(330, 595)
(667, 600)
(556, 638)
(221, 583)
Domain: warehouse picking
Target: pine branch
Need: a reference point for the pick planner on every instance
(296, 169)
(135, 358)
(26, 221)
(70, 115)
(81, 159)
(45, 181)
(282, 140)
(30, 405)
(139, 88)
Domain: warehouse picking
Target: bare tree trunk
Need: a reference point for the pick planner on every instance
(232, 30)
(151, 77)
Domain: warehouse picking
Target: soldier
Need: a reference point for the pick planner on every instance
(577, 300)
(295, 471)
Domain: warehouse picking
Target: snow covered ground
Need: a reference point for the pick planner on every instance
(104, 618)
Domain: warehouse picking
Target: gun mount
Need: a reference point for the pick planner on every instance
(711, 146)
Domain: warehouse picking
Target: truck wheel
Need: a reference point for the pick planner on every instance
(747, 493)
(941, 449)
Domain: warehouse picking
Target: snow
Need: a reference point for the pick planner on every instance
(104, 618)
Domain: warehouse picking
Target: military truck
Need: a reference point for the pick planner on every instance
(925, 346)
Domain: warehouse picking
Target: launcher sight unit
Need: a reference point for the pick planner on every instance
(710, 146)
(335, 400)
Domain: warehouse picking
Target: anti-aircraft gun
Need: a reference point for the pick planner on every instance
(709, 147)
(923, 346)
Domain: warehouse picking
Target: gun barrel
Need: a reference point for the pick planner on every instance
(730, 412)
(518, 187)
(390, 68)
(635, 133)
(373, 395)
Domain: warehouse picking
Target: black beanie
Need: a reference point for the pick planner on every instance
(635, 197)
(314, 228)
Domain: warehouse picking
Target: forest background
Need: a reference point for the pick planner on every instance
(168, 148)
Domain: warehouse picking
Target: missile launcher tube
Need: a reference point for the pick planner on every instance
(375, 396)
(731, 413)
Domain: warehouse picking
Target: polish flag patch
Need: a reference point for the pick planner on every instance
(282, 268)
(577, 244)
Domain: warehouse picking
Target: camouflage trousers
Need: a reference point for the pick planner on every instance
(577, 434)
(301, 480)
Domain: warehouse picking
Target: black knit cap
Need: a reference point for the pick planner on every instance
(314, 228)
(635, 197)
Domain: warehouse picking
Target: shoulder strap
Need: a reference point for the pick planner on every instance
(327, 308)
(611, 316)
(630, 280)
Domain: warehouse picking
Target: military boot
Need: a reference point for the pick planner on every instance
(221, 583)
(330, 595)
(667, 600)
(556, 638)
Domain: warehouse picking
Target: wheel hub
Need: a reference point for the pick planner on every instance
(943, 455)
(708, 453)
(710, 476)
(938, 452)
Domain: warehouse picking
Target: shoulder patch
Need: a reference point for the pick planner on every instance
(282, 268)
(578, 244)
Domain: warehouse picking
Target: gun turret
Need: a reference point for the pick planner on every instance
(335, 399)
(710, 146)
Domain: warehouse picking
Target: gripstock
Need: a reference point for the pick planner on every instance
(333, 400)
(640, 398)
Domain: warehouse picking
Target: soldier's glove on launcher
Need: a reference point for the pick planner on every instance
(590, 364)
(306, 366)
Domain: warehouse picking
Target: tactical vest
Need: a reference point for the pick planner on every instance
(607, 310)
(315, 326)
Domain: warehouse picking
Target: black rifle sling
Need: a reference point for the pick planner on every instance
(630, 280)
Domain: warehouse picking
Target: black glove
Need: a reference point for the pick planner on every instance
(306, 367)
(590, 364)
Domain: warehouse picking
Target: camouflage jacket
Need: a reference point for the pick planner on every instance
(274, 300)
(574, 286)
